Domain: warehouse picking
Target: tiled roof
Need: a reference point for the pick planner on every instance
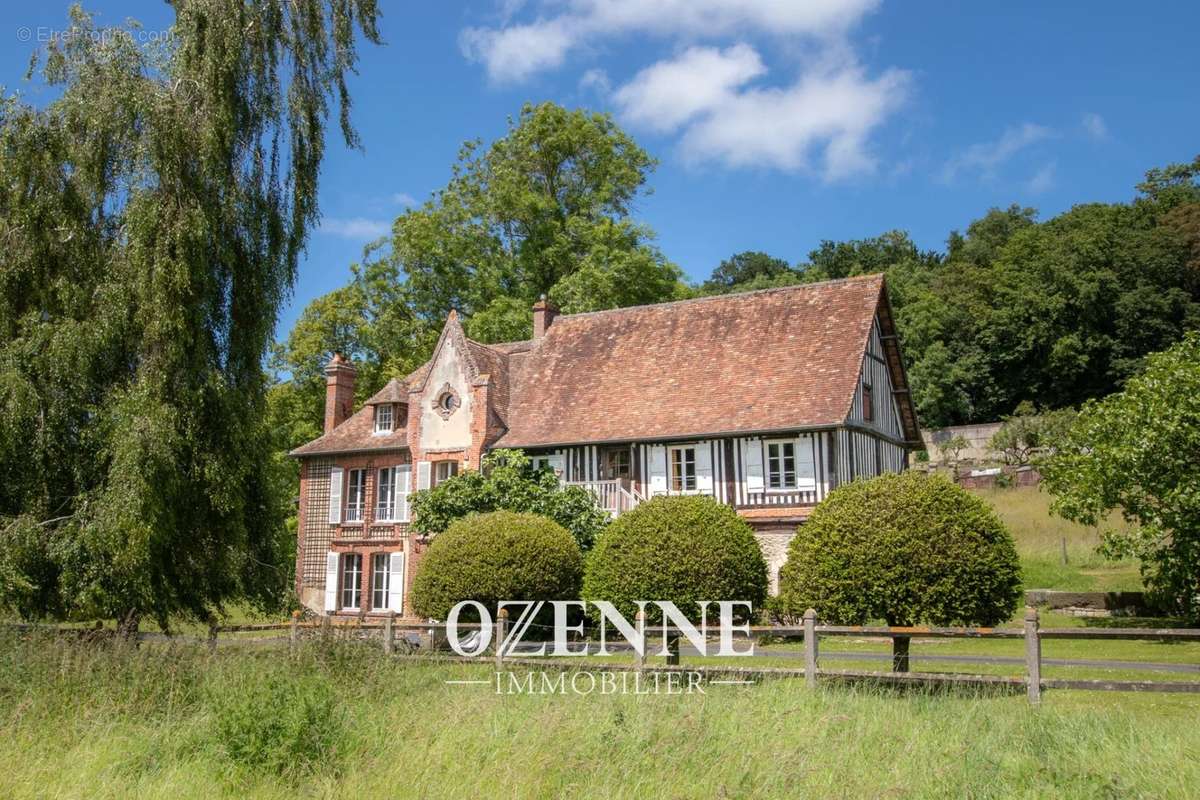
(770, 360)
(396, 391)
(775, 359)
(358, 433)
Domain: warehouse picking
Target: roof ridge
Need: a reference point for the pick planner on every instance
(711, 297)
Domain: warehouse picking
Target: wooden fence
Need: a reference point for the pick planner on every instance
(392, 634)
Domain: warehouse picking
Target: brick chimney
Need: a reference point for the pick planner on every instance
(339, 391)
(544, 313)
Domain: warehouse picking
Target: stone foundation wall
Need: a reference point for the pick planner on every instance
(774, 544)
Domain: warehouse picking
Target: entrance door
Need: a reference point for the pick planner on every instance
(616, 463)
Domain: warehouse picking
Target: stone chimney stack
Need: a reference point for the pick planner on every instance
(339, 391)
(544, 313)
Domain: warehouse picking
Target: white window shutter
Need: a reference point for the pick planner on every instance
(806, 466)
(423, 474)
(331, 581)
(704, 468)
(752, 458)
(403, 487)
(335, 495)
(658, 469)
(396, 582)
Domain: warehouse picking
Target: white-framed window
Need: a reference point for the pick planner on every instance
(356, 494)
(781, 465)
(443, 470)
(383, 418)
(683, 469)
(391, 493)
(385, 495)
(351, 581)
(381, 581)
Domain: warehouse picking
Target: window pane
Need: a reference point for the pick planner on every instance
(383, 417)
(351, 580)
(781, 465)
(385, 494)
(354, 495)
(683, 469)
(380, 581)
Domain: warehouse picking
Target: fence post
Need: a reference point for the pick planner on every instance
(1033, 657)
(501, 632)
(212, 636)
(1064, 550)
(641, 626)
(389, 633)
(294, 633)
(810, 648)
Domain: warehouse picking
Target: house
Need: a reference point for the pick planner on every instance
(766, 400)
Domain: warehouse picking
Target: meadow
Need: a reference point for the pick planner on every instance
(1040, 536)
(341, 720)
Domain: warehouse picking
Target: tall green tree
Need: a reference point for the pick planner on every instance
(1136, 452)
(548, 201)
(1052, 313)
(545, 209)
(152, 217)
(749, 270)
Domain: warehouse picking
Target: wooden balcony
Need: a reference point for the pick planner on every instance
(614, 496)
(775, 498)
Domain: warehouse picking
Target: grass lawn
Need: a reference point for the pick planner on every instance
(345, 722)
(1039, 535)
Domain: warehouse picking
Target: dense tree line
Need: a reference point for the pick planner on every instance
(1015, 310)
(1012, 310)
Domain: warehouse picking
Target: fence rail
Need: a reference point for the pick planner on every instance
(391, 628)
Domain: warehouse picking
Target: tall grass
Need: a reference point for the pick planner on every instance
(1040, 535)
(163, 723)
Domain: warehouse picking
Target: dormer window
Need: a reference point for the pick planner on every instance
(383, 418)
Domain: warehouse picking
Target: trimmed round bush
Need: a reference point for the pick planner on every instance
(907, 548)
(682, 549)
(498, 556)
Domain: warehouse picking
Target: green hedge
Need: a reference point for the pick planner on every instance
(498, 556)
(906, 548)
(682, 549)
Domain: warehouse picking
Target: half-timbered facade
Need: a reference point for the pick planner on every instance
(765, 400)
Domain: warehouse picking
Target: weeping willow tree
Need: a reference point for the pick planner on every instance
(151, 217)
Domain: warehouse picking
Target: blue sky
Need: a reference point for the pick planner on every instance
(777, 124)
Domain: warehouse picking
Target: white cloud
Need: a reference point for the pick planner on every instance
(1094, 125)
(513, 53)
(665, 95)
(595, 80)
(1044, 179)
(985, 157)
(358, 228)
(404, 199)
(703, 93)
(710, 92)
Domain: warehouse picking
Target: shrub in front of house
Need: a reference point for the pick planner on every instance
(682, 549)
(498, 556)
(508, 482)
(907, 548)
